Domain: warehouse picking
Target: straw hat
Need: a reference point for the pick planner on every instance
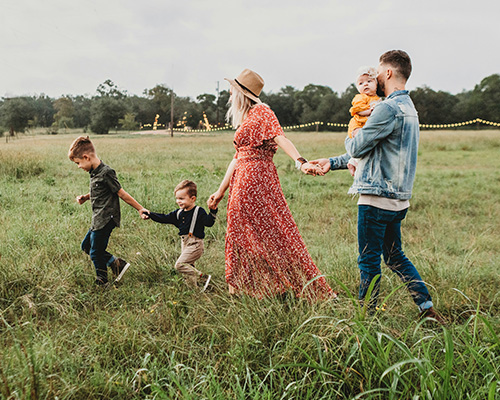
(249, 83)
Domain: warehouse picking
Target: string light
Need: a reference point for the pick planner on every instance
(229, 127)
(457, 124)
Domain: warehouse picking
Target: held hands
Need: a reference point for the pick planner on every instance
(144, 213)
(214, 200)
(310, 168)
(82, 198)
(322, 164)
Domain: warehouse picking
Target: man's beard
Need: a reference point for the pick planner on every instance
(380, 89)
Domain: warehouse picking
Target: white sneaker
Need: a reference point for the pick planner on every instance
(122, 268)
(207, 282)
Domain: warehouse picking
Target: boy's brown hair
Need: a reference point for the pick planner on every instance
(80, 146)
(189, 185)
(398, 59)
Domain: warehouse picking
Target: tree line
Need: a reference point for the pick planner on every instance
(114, 109)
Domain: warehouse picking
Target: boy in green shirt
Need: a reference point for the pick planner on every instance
(104, 195)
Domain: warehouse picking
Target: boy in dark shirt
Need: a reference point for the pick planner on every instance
(104, 195)
(191, 221)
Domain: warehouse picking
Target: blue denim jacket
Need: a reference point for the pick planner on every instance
(387, 147)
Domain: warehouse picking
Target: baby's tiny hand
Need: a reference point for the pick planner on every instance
(351, 168)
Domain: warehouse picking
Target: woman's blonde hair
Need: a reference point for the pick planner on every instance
(239, 106)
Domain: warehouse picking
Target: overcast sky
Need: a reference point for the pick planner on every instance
(62, 47)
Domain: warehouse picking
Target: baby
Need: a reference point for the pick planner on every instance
(363, 103)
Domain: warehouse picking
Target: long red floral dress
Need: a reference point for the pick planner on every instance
(265, 254)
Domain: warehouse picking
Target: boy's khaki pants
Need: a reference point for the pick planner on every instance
(191, 250)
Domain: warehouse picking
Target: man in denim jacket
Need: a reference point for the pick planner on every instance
(387, 147)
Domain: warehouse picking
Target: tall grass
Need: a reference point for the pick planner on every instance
(152, 338)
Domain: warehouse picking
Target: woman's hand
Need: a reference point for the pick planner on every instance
(322, 163)
(214, 200)
(312, 169)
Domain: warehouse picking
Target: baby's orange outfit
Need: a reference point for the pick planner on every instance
(361, 102)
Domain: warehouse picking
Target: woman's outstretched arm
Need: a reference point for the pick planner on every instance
(289, 148)
(214, 199)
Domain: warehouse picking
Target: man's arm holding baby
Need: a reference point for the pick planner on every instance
(365, 113)
(377, 128)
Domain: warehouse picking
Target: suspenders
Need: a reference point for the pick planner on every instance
(193, 221)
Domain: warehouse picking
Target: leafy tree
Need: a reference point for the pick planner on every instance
(283, 105)
(463, 109)
(16, 113)
(109, 89)
(143, 109)
(107, 108)
(484, 100)
(434, 107)
(313, 103)
(342, 114)
(328, 107)
(128, 122)
(81, 111)
(161, 98)
(207, 104)
(43, 110)
(106, 112)
(64, 115)
(316, 103)
(222, 107)
(184, 107)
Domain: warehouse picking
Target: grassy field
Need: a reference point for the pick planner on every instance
(152, 338)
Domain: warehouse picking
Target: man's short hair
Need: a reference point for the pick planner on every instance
(399, 60)
(80, 146)
(189, 185)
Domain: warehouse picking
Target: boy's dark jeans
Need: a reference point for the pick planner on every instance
(94, 244)
(379, 232)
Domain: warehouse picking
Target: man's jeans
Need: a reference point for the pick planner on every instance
(379, 232)
(94, 244)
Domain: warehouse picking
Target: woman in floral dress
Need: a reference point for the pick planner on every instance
(265, 254)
